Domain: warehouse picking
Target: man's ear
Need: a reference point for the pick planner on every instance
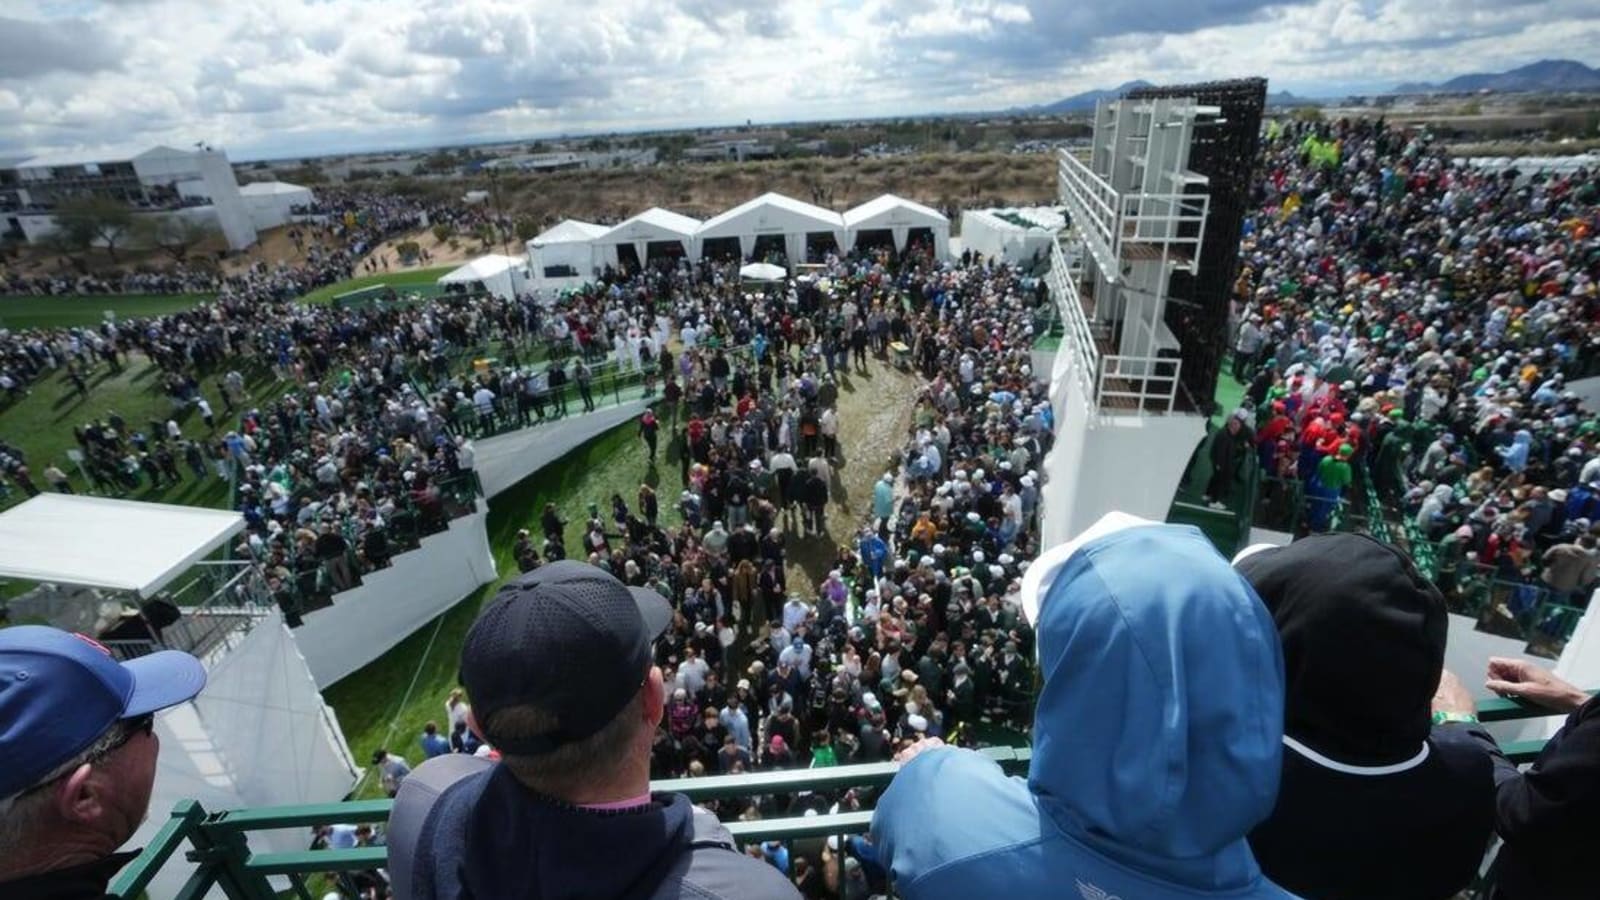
(655, 696)
(80, 797)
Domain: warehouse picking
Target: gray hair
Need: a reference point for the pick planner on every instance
(22, 812)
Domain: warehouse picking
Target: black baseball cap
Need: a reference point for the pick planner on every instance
(567, 637)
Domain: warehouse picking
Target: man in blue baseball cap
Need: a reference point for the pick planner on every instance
(77, 756)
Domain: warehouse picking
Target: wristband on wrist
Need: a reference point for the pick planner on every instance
(1443, 716)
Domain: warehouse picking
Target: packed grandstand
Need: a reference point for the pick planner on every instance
(1406, 332)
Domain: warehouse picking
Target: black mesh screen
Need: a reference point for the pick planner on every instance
(1197, 311)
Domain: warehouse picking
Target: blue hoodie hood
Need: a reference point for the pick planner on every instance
(1158, 735)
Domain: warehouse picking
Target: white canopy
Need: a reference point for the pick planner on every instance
(122, 545)
(898, 216)
(568, 231)
(762, 272)
(652, 225)
(774, 214)
(499, 275)
(563, 256)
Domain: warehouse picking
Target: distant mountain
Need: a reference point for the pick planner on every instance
(1084, 102)
(1556, 75)
(1284, 98)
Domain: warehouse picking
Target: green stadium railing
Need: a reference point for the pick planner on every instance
(218, 842)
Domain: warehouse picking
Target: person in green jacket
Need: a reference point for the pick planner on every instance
(1327, 488)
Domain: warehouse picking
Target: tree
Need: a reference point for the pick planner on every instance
(527, 230)
(485, 234)
(104, 219)
(70, 244)
(442, 231)
(408, 251)
(1311, 114)
(176, 236)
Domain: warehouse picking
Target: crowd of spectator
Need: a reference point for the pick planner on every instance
(1410, 323)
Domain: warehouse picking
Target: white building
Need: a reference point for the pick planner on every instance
(272, 203)
(196, 184)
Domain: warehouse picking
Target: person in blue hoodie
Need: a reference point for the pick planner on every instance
(1157, 740)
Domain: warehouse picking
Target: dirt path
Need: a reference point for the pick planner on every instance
(439, 253)
(874, 413)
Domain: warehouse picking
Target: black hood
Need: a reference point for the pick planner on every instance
(1363, 643)
(520, 846)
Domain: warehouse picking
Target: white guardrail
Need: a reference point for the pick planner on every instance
(1094, 207)
(1077, 340)
(1154, 380)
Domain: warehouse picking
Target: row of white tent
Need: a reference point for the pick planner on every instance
(572, 251)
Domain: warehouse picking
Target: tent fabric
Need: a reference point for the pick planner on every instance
(652, 225)
(568, 231)
(258, 735)
(898, 216)
(984, 231)
(762, 272)
(657, 221)
(889, 209)
(482, 269)
(269, 188)
(122, 545)
(772, 213)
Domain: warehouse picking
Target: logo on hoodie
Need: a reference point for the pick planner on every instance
(1094, 892)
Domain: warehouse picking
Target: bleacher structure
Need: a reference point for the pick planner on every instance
(1133, 276)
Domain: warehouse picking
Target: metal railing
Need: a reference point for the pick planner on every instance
(1094, 206)
(219, 846)
(1078, 340)
(1174, 221)
(219, 841)
(215, 625)
(1153, 379)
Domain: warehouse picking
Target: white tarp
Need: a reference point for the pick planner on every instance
(897, 216)
(122, 545)
(500, 275)
(654, 225)
(984, 231)
(762, 272)
(774, 214)
(259, 734)
(564, 256)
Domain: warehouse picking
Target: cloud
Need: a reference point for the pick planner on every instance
(299, 77)
(29, 49)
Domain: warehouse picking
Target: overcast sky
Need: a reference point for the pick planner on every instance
(272, 78)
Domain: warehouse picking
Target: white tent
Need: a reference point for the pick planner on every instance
(654, 225)
(762, 272)
(122, 545)
(995, 233)
(272, 203)
(503, 276)
(774, 214)
(564, 256)
(897, 216)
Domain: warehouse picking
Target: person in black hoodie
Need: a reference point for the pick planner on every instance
(559, 668)
(1396, 802)
(1546, 815)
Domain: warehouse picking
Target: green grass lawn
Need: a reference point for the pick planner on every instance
(373, 699)
(393, 279)
(19, 312)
